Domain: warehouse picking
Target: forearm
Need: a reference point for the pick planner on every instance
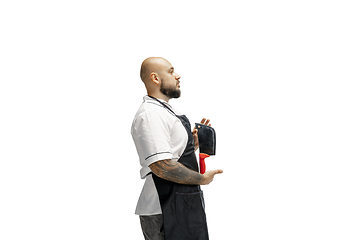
(176, 172)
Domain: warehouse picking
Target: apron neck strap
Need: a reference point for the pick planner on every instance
(163, 104)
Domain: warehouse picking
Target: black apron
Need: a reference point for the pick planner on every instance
(182, 205)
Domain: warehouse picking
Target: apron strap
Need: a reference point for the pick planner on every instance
(163, 104)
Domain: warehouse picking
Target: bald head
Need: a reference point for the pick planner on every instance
(160, 79)
(152, 64)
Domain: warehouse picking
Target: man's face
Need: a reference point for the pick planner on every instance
(170, 81)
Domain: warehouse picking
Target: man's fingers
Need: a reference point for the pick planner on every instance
(218, 171)
(214, 172)
(205, 121)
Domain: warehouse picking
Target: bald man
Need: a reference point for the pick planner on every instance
(171, 204)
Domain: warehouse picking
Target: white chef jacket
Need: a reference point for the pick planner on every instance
(158, 135)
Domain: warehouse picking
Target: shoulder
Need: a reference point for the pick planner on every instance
(153, 116)
(152, 110)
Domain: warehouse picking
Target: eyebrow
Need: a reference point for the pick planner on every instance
(172, 68)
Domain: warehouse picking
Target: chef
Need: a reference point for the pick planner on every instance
(171, 204)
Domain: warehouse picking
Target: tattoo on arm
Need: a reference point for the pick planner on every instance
(176, 172)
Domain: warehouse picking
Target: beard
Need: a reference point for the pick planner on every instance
(170, 92)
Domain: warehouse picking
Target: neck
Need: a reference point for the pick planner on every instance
(159, 95)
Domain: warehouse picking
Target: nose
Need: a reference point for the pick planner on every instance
(177, 76)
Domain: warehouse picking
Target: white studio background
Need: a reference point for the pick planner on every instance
(278, 79)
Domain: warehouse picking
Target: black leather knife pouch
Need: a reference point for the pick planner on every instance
(207, 139)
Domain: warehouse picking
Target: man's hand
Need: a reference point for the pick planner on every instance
(209, 176)
(195, 131)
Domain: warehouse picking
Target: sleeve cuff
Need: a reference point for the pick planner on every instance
(151, 159)
(157, 157)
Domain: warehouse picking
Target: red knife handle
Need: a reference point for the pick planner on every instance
(202, 157)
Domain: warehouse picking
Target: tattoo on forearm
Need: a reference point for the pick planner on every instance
(176, 172)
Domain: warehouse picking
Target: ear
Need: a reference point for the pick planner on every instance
(155, 78)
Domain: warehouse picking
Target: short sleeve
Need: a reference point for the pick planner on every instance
(151, 134)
